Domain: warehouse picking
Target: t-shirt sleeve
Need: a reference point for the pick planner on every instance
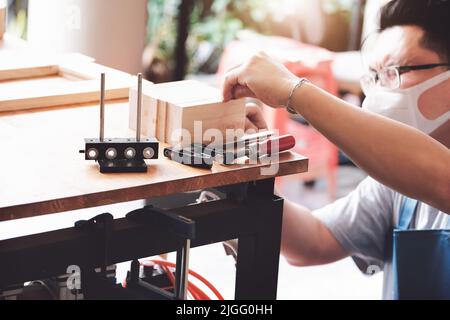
(361, 222)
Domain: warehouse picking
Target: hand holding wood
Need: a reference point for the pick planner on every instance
(262, 77)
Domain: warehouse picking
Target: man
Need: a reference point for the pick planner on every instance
(409, 83)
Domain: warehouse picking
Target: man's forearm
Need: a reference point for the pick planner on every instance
(398, 156)
(305, 240)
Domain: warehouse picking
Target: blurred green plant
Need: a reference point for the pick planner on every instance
(214, 24)
(332, 6)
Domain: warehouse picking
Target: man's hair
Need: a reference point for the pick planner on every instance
(433, 16)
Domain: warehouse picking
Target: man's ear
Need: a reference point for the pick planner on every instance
(435, 102)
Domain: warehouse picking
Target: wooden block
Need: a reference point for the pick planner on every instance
(219, 116)
(154, 105)
(170, 107)
(149, 111)
(161, 120)
(183, 92)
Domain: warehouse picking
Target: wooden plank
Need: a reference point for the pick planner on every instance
(42, 171)
(8, 73)
(89, 71)
(22, 64)
(30, 88)
(83, 92)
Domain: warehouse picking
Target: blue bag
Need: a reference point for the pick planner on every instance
(421, 259)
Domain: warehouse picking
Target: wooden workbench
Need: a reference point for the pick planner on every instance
(42, 171)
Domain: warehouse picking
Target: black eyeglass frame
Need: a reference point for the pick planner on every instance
(406, 69)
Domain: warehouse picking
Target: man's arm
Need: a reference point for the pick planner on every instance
(306, 241)
(396, 155)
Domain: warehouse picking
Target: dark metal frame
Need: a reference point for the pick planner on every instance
(183, 27)
(250, 213)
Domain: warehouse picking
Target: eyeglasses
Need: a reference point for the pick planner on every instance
(390, 77)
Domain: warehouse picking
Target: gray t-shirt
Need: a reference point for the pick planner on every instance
(363, 223)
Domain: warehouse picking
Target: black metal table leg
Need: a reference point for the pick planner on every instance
(259, 253)
(182, 270)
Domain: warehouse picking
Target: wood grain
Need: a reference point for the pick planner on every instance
(148, 114)
(43, 173)
(32, 71)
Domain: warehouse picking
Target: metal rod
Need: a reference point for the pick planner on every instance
(139, 108)
(182, 270)
(102, 108)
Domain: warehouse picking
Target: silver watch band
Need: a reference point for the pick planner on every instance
(297, 86)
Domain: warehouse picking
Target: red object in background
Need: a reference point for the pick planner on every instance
(306, 61)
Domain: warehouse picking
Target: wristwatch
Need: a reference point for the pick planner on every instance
(297, 86)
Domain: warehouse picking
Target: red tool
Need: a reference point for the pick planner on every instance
(271, 146)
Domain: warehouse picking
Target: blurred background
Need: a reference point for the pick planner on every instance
(203, 28)
(172, 40)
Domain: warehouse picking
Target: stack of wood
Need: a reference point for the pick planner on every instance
(179, 113)
(33, 81)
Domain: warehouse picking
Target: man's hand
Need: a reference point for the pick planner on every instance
(255, 119)
(261, 77)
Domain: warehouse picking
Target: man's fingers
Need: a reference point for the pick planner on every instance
(255, 116)
(231, 80)
(249, 126)
(240, 91)
(251, 109)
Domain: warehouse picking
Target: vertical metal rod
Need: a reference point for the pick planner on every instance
(102, 108)
(139, 108)
(182, 270)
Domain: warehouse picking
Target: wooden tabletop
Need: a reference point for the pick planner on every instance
(41, 171)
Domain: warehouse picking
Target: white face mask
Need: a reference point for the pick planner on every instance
(403, 104)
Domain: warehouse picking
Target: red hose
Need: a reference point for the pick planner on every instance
(193, 273)
(195, 291)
